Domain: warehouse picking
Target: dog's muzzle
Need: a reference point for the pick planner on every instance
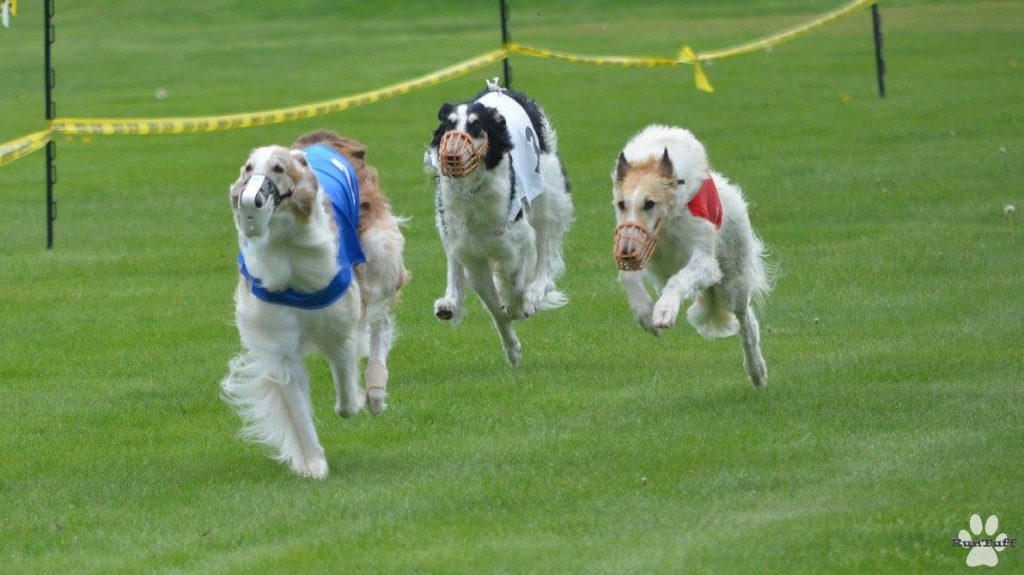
(456, 154)
(634, 245)
(259, 198)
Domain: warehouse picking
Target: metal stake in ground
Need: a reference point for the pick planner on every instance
(876, 18)
(51, 112)
(504, 42)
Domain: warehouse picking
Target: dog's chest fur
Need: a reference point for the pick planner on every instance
(475, 210)
(298, 256)
(679, 237)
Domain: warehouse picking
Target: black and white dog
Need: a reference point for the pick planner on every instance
(503, 208)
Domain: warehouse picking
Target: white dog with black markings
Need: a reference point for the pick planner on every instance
(686, 229)
(321, 266)
(503, 208)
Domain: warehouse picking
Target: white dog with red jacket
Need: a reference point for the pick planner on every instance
(503, 208)
(684, 228)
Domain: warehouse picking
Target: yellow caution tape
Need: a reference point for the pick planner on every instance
(687, 55)
(23, 146)
(144, 126)
(787, 35)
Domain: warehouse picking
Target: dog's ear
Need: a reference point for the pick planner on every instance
(445, 111)
(300, 158)
(621, 168)
(498, 119)
(665, 169)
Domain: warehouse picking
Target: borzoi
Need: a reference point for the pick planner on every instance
(305, 218)
(687, 227)
(503, 208)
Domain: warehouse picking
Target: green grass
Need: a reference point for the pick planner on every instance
(894, 338)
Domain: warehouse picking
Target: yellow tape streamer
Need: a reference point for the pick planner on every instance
(14, 7)
(787, 35)
(687, 55)
(143, 126)
(23, 146)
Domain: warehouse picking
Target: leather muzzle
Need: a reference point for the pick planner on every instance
(634, 244)
(456, 154)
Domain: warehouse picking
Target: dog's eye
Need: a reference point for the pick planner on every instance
(649, 205)
(279, 169)
(622, 205)
(248, 167)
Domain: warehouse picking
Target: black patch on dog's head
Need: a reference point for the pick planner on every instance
(442, 114)
(493, 124)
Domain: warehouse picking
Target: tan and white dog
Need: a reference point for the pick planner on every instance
(685, 228)
(321, 266)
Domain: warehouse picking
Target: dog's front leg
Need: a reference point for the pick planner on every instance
(700, 272)
(639, 300)
(482, 279)
(450, 307)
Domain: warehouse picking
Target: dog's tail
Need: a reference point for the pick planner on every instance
(554, 299)
(273, 402)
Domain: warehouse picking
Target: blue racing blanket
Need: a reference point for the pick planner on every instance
(338, 179)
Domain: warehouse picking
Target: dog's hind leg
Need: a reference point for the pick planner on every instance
(483, 283)
(551, 216)
(344, 360)
(381, 335)
(753, 361)
(450, 306)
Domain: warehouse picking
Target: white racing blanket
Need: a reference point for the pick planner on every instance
(525, 153)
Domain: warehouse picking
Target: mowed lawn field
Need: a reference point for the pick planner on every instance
(894, 338)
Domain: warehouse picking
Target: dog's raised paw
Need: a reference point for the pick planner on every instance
(664, 314)
(445, 310)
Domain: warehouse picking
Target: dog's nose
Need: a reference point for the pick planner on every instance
(627, 249)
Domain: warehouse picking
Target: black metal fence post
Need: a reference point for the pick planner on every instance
(504, 42)
(51, 113)
(876, 18)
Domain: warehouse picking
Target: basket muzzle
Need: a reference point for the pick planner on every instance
(457, 155)
(634, 244)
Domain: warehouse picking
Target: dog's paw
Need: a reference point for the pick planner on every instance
(376, 387)
(446, 310)
(315, 468)
(353, 407)
(514, 351)
(647, 322)
(664, 314)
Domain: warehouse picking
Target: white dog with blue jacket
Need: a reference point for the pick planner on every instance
(321, 266)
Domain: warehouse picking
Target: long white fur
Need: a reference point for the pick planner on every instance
(267, 383)
(513, 267)
(721, 271)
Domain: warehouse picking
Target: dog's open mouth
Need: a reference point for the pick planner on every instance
(457, 155)
(634, 245)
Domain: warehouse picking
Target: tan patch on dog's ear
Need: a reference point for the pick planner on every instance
(303, 198)
(647, 178)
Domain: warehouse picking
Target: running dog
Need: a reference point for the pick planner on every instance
(503, 208)
(321, 266)
(686, 229)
